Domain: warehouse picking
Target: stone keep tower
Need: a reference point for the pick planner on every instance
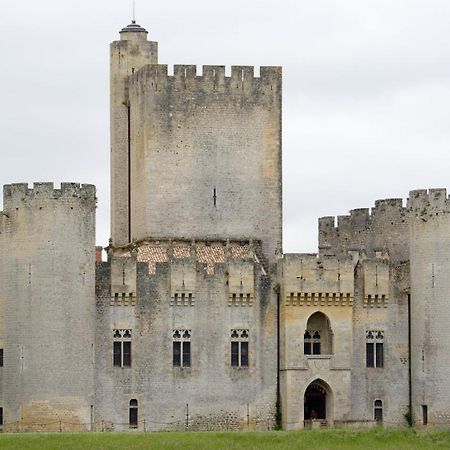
(430, 286)
(193, 156)
(47, 305)
(196, 192)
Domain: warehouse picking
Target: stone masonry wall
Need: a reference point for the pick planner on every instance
(213, 394)
(47, 304)
(129, 54)
(312, 283)
(430, 286)
(206, 154)
(383, 229)
(381, 304)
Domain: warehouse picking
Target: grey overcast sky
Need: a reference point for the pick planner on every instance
(366, 91)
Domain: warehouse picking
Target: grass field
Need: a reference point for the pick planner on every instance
(378, 438)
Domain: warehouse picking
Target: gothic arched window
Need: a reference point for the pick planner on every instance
(318, 335)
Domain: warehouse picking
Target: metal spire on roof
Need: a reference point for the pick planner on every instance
(133, 27)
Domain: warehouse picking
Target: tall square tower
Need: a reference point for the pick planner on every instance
(194, 156)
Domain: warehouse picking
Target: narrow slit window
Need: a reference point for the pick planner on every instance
(316, 343)
(307, 343)
(378, 410)
(369, 354)
(133, 413)
(425, 414)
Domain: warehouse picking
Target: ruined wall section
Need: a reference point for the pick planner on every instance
(196, 287)
(47, 302)
(206, 154)
(430, 286)
(128, 55)
(383, 229)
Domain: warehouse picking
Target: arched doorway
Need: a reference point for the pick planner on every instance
(315, 401)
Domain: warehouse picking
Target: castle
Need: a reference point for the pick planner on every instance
(197, 320)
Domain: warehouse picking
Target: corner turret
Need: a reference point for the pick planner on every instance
(133, 32)
(128, 55)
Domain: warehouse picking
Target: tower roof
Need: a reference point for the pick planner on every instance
(134, 28)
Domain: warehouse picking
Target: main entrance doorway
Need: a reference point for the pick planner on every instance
(315, 402)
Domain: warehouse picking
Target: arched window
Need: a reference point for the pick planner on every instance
(378, 410)
(318, 335)
(133, 413)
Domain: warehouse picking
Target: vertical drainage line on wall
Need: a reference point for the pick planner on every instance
(409, 360)
(129, 173)
(278, 406)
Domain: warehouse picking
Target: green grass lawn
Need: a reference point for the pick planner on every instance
(338, 439)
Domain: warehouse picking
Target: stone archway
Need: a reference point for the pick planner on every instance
(317, 401)
(318, 335)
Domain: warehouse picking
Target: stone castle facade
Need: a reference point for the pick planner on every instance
(197, 320)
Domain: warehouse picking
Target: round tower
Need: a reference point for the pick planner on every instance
(128, 55)
(48, 300)
(430, 314)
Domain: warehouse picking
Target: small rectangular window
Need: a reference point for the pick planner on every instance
(186, 354)
(307, 347)
(378, 411)
(379, 354)
(133, 413)
(1, 357)
(177, 354)
(369, 355)
(1, 416)
(133, 417)
(117, 354)
(235, 354)
(425, 414)
(244, 354)
(316, 348)
(127, 354)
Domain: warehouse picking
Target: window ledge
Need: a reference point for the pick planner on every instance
(319, 356)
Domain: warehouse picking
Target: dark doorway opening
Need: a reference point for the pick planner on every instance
(133, 416)
(315, 402)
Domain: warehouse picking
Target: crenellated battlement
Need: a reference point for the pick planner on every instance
(212, 78)
(383, 227)
(423, 202)
(17, 194)
(363, 218)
